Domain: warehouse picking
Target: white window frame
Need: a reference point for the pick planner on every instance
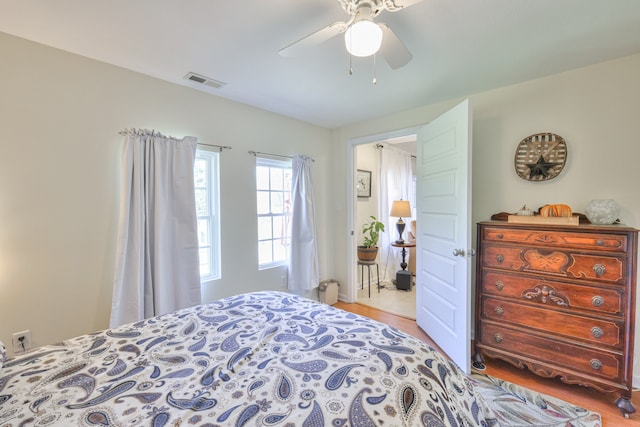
(212, 188)
(272, 163)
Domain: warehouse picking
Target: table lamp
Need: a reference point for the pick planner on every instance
(400, 209)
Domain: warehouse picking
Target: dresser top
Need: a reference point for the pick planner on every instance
(613, 228)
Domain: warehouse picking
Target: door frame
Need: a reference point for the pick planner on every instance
(352, 252)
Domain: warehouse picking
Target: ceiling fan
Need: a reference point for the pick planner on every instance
(363, 36)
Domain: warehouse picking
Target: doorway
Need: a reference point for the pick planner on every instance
(388, 167)
(444, 262)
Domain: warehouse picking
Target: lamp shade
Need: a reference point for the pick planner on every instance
(363, 38)
(401, 209)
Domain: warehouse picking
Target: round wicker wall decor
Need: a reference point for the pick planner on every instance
(540, 157)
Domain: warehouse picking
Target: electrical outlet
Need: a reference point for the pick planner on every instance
(283, 278)
(21, 341)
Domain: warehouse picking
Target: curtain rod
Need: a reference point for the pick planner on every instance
(153, 132)
(382, 146)
(258, 153)
(219, 147)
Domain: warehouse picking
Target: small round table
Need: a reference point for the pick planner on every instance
(403, 277)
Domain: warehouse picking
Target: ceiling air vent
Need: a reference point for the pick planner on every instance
(204, 80)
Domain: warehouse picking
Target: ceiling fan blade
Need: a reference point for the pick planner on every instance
(396, 5)
(393, 50)
(313, 39)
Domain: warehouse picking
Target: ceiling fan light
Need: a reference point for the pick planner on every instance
(363, 38)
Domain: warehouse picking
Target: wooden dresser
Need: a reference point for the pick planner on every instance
(559, 300)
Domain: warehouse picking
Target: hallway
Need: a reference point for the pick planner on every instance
(389, 299)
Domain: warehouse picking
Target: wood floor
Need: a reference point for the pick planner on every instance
(581, 396)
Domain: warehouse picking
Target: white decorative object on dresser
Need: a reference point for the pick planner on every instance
(560, 301)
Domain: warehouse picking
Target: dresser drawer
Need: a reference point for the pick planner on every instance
(608, 365)
(564, 239)
(554, 294)
(506, 258)
(555, 262)
(610, 269)
(603, 332)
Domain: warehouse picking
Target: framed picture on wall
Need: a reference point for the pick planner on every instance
(363, 183)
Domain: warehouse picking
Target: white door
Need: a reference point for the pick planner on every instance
(443, 199)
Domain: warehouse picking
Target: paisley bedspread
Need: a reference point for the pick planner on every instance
(258, 359)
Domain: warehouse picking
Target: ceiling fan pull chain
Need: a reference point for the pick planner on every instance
(374, 70)
(350, 64)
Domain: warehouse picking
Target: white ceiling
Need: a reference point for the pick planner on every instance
(460, 47)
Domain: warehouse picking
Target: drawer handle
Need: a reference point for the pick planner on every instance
(595, 364)
(597, 332)
(599, 269)
(499, 235)
(499, 311)
(599, 242)
(500, 258)
(499, 285)
(597, 301)
(497, 338)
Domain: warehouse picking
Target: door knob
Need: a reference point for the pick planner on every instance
(458, 252)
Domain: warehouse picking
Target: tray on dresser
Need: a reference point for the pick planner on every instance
(548, 220)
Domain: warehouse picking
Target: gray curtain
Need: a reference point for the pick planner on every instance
(157, 266)
(396, 180)
(304, 265)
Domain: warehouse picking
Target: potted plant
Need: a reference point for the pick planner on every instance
(371, 232)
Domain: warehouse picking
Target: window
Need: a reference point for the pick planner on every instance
(206, 177)
(273, 186)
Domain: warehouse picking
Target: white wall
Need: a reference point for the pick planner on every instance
(59, 182)
(596, 109)
(367, 159)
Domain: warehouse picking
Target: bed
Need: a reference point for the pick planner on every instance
(257, 359)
